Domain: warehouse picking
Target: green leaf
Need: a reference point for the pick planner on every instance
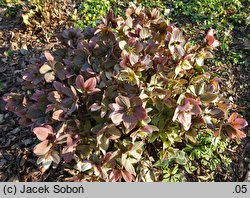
(47, 164)
(153, 136)
(129, 22)
(113, 133)
(103, 143)
(129, 166)
(208, 97)
(175, 169)
(144, 33)
(136, 150)
(177, 70)
(137, 146)
(133, 58)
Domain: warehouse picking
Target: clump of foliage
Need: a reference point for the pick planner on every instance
(119, 7)
(128, 100)
(218, 14)
(231, 21)
(205, 11)
(92, 11)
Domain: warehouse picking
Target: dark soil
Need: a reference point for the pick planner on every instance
(17, 162)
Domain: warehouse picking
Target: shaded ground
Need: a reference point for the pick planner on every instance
(17, 45)
(17, 162)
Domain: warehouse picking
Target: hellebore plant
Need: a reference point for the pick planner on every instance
(234, 124)
(184, 112)
(127, 110)
(126, 101)
(176, 42)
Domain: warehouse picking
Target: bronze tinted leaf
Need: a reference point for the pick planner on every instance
(48, 56)
(144, 33)
(211, 41)
(59, 70)
(128, 177)
(42, 148)
(113, 133)
(49, 77)
(133, 58)
(58, 115)
(90, 84)
(42, 133)
(80, 82)
(44, 69)
(55, 157)
(115, 175)
(208, 97)
(103, 143)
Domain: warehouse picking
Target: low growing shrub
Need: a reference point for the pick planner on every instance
(128, 100)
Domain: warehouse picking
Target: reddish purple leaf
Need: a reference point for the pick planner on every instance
(185, 120)
(130, 121)
(90, 84)
(64, 90)
(60, 71)
(234, 124)
(49, 108)
(48, 56)
(67, 156)
(147, 129)
(37, 95)
(239, 123)
(116, 117)
(95, 107)
(42, 148)
(70, 143)
(42, 133)
(79, 82)
(58, 86)
(211, 39)
(122, 101)
(128, 177)
(115, 175)
(140, 113)
(107, 157)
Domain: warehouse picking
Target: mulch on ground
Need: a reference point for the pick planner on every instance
(17, 161)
